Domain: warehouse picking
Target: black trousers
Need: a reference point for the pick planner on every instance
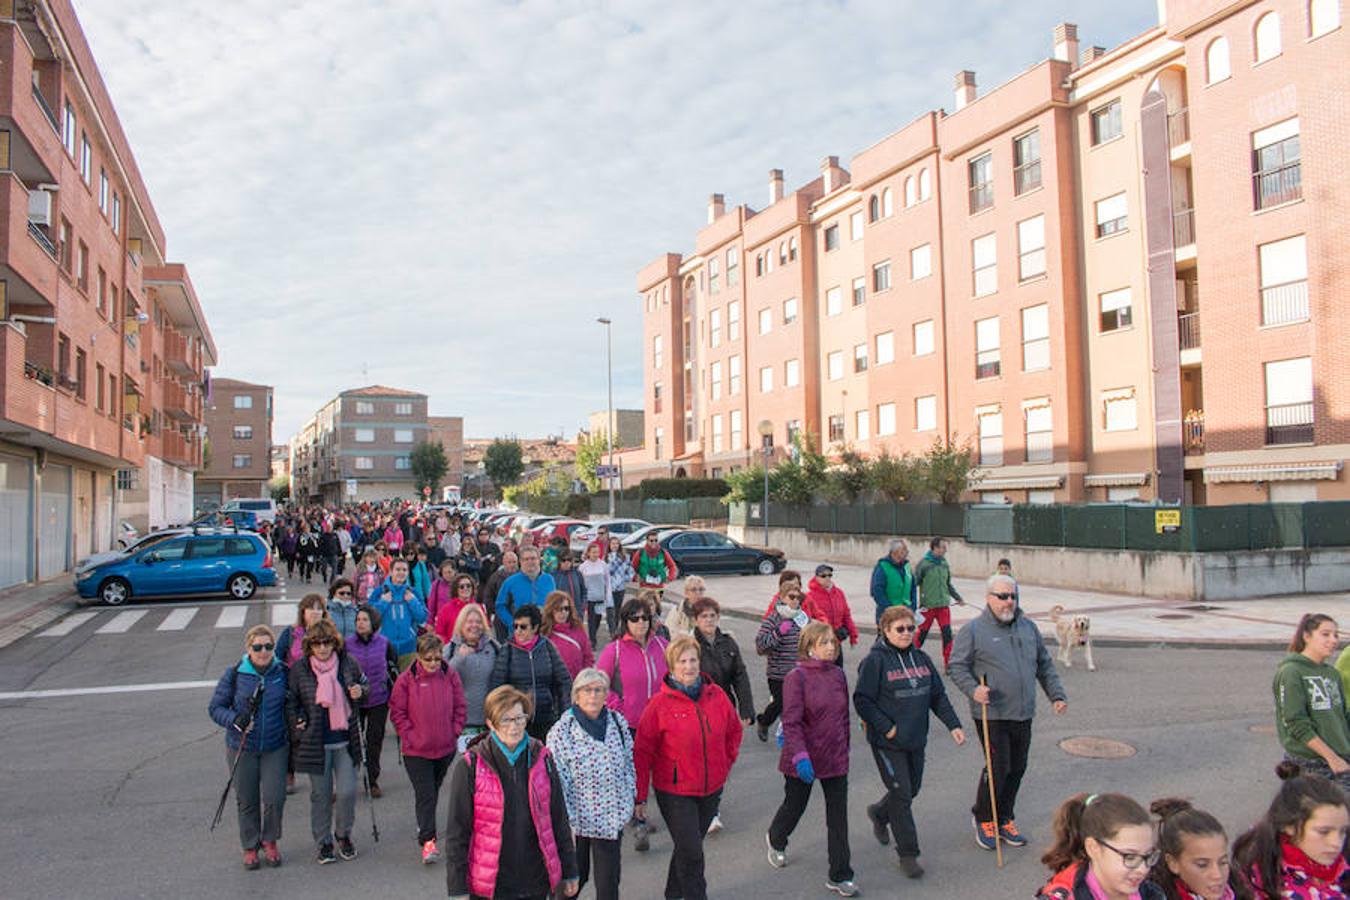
(775, 707)
(796, 795)
(306, 567)
(601, 857)
(328, 567)
(594, 616)
(612, 614)
(1009, 742)
(426, 776)
(902, 775)
(687, 819)
(373, 720)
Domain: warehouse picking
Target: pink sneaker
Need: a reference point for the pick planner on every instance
(430, 854)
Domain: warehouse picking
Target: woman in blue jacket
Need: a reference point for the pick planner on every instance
(250, 704)
(402, 610)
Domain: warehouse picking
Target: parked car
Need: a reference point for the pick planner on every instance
(126, 534)
(136, 546)
(195, 562)
(582, 537)
(562, 528)
(639, 537)
(264, 508)
(713, 553)
(239, 518)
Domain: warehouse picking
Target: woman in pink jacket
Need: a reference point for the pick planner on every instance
(427, 708)
(563, 627)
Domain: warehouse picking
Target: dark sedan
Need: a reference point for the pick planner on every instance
(713, 553)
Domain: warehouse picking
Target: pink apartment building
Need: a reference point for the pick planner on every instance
(1120, 274)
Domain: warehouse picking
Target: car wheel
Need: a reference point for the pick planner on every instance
(242, 586)
(115, 591)
(765, 566)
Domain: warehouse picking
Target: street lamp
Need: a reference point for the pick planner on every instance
(609, 419)
(766, 434)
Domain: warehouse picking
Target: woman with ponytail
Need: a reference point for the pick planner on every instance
(1297, 851)
(1103, 848)
(1310, 716)
(1195, 864)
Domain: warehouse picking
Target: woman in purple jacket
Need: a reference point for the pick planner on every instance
(378, 661)
(815, 745)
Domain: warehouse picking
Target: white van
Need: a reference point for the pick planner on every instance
(264, 509)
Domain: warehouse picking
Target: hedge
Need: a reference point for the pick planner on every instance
(676, 488)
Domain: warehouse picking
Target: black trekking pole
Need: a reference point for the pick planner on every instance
(253, 703)
(365, 777)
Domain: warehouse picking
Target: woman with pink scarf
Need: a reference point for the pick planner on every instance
(325, 687)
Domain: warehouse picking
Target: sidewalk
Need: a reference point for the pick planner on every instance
(1117, 619)
(31, 607)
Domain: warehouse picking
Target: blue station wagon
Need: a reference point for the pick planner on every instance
(236, 564)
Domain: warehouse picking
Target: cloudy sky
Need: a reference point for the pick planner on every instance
(443, 196)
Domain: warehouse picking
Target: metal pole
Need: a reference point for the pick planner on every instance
(609, 420)
(767, 451)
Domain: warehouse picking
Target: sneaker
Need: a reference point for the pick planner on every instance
(777, 858)
(290, 783)
(880, 826)
(1011, 836)
(910, 868)
(845, 888)
(430, 854)
(345, 848)
(715, 825)
(251, 859)
(326, 854)
(762, 732)
(271, 853)
(643, 842)
(985, 835)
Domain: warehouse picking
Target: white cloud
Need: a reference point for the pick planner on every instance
(448, 194)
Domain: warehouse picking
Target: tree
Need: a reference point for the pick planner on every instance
(590, 453)
(428, 465)
(898, 478)
(280, 488)
(502, 462)
(851, 478)
(949, 469)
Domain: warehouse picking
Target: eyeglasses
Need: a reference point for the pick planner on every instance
(515, 721)
(261, 648)
(637, 618)
(524, 626)
(1130, 859)
(322, 642)
(564, 609)
(1004, 597)
(903, 629)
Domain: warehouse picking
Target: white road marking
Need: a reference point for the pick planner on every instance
(232, 617)
(69, 624)
(112, 689)
(178, 619)
(122, 622)
(284, 613)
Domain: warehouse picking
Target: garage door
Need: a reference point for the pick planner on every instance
(16, 519)
(54, 519)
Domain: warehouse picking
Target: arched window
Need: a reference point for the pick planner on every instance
(1323, 16)
(782, 253)
(911, 194)
(759, 264)
(792, 249)
(925, 185)
(1267, 37)
(873, 208)
(887, 203)
(1216, 61)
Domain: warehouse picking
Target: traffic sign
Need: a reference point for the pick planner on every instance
(606, 471)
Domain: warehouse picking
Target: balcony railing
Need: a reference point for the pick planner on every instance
(1193, 431)
(1178, 127)
(1283, 303)
(46, 110)
(41, 237)
(1183, 228)
(1027, 177)
(1289, 423)
(1280, 185)
(1188, 329)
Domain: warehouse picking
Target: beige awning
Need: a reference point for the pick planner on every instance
(1309, 471)
(1034, 483)
(1115, 479)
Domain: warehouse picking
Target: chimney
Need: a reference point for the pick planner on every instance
(775, 186)
(831, 176)
(1066, 43)
(965, 89)
(1092, 53)
(716, 206)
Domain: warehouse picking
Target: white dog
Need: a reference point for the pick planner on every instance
(1072, 632)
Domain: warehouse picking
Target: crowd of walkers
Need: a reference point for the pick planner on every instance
(557, 695)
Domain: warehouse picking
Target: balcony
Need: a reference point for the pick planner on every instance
(1282, 304)
(1193, 431)
(1183, 237)
(46, 108)
(1283, 184)
(176, 448)
(180, 403)
(1188, 330)
(1289, 423)
(181, 356)
(1179, 134)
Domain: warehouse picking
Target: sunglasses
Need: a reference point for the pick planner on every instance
(524, 626)
(430, 660)
(261, 648)
(1002, 596)
(904, 629)
(323, 643)
(564, 608)
(638, 618)
(343, 593)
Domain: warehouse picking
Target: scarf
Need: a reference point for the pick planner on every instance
(594, 727)
(328, 694)
(1187, 894)
(692, 691)
(1095, 888)
(527, 647)
(511, 755)
(1291, 857)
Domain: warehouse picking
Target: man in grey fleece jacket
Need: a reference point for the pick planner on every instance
(1007, 651)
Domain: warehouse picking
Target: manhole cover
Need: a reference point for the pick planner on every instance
(1096, 748)
(1261, 729)
(1171, 616)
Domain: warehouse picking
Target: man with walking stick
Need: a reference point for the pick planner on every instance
(997, 659)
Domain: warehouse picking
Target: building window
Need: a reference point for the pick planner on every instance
(242, 460)
(1323, 16)
(855, 225)
(656, 397)
(245, 401)
(733, 267)
(1289, 401)
(689, 432)
(68, 130)
(86, 160)
(986, 348)
(1284, 281)
(82, 267)
(364, 463)
(981, 173)
(659, 439)
(717, 435)
(403, 408)
(765, 379)
(1119, 411)
(759, 265)
(1216, 61)
(925, 413)
(1046, 497)
(715, 328)
(403, 435)
(403, 463)
(734, 375)
(991, 437)
(1112, 215)
(67, 249)
(921, 262)
(103, 190)
(873, 208)
(1277, 175)
(782, 253)
(984, 262)
(794, 431)
(713, 272)
(116, 219)
(862, 424)
(859, 357)
(364, 435)
(102, 292)
(885, 348)
(923, 337)
(736, 443)
(831, 238)
(885, 419)
(1031, 248)
(1036, 338)
(1117, 311)
(911, 191)
(881, 277)
(81, 370)
(792, 249)
(836, 428)
(657, 355)
(1040, 435)
(1027, 162)
(1267, 37)
(715, 381)
(859, 291)
(834, 302)
(765, 320)
(925, 185)
(834, 363)
(1106, 123)
(734, 320)
(100, 388)
(887, 203)
(792, 373)
(243, 432)
(789, 310)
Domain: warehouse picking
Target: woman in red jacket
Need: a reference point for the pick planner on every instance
(427, 708)
(687, 741)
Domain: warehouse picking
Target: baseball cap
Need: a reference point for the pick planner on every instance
(824, 569)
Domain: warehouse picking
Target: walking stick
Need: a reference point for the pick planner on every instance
(365, 776)
(989, 770)
(253, 703)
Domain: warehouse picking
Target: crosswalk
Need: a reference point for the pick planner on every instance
(176, 619)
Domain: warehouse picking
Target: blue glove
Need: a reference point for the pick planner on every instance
(805, 771)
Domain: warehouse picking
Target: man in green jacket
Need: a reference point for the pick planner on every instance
(936, 595)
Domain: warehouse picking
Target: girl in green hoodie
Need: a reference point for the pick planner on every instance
(1310, 714)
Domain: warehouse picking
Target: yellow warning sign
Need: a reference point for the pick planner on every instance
(1166, 521)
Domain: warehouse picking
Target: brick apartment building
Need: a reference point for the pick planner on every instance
(361, 438)
(448, 431)
(1032, 270)
(239, 438)
(102, 344)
